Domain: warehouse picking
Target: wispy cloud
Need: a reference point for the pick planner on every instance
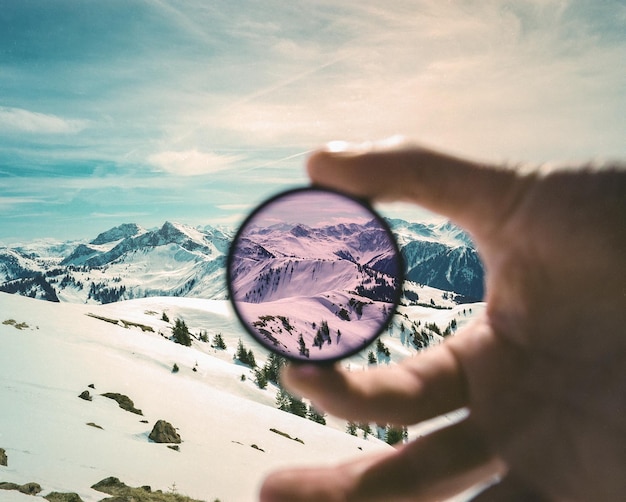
(20, 120)
(231, 95)
(192, 162)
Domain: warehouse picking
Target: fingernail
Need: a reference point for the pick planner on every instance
(347, 147)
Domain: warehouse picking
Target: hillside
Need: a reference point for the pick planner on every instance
(232, 434)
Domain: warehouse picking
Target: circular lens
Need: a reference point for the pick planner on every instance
(314, 275)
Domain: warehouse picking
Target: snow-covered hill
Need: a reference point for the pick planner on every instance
(232, 434)
(177, 260)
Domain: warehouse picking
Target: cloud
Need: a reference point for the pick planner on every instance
(191, 162)
(20, 120)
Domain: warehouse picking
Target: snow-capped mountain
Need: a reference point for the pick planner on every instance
(315, 292)
(128, 262)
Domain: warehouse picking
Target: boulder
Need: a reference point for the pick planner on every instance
(111, 486)
(30, 488)
(164, 432)
(63, 497)
(85, 395)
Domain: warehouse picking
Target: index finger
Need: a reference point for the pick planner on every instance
(475, 195)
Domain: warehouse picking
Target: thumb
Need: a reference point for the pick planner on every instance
(474, 195)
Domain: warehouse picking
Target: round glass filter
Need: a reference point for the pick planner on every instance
(314, 275)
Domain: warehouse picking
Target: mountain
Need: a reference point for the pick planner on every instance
(128, 261)
(315, 292)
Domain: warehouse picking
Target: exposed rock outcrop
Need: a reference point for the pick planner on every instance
(164, 432)
(124, 402)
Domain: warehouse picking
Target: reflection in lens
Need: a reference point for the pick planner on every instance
(314, 275)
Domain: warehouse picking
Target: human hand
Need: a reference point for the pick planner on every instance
(542, 373)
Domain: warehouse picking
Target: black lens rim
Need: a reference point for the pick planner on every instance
(375, 215)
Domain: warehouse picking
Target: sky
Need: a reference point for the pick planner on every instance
(313, 209)
(194, 111)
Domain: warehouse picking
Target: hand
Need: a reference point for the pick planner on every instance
(542, 374)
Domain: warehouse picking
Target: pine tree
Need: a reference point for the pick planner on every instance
(244, 355)
(163, 317)
(395, 435)
(315, 416)
(283, 400)
(371, 358)
(250, 360)
(297, 407)
(381, 348)
(180, 333)
(272, 367)
(260, 378)
(302, 346)
(367, 430)
(218, 341)
(351, 428)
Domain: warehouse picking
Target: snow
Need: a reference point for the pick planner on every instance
(62, 350)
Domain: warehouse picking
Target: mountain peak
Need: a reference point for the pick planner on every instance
(122, 231)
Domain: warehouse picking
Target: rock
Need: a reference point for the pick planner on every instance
(164, 432)
(124, 402)
(4, 485)
(85, 395)
(30, 488)
(111, 486)
(3, 457)
(63, 497)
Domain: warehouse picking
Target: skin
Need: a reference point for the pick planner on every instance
(542, 373)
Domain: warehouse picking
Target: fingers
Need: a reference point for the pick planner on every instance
(432, 468)
(419, 388)
(474, 195)
(510, 489)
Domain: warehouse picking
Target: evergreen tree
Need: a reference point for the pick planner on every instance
(250, 360)
(395, 435)
(297, 406)
(367, 430)
(371, 358)
(163, 317)
(283, 400)
(381, 348)
(302, 348)
(272, 367)
(218, 341)
(351, 428)
(244, 355)
(180, 333)
(260, 378)
(315, 416)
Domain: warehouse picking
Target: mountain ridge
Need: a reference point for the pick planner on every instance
(128, 261)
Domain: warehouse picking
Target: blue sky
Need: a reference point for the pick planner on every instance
(193, 111)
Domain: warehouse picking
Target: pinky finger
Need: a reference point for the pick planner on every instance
(431, 468)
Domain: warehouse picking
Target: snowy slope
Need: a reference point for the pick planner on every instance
(59, 350)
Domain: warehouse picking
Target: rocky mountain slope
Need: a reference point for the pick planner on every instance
(128, 262)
